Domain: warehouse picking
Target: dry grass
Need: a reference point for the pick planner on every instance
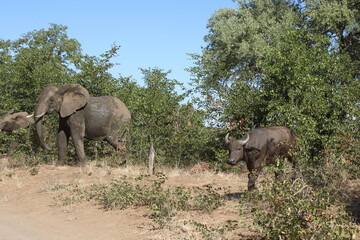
(44, 192)
(39, 195)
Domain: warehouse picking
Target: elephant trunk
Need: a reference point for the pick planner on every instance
(39, 113)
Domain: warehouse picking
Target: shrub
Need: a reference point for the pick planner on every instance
(163, 203)
(293, 209)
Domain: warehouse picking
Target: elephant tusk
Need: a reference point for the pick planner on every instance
(40, 115)
(30, 116)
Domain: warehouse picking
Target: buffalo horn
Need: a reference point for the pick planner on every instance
(244, 141)
(227, 138)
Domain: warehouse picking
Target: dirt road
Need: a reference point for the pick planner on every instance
(17, 224)
(30, 210)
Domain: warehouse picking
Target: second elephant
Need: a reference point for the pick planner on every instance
(98, 118)
(13, 121)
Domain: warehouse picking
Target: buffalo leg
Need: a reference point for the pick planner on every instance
(254, 169)
(252, 178)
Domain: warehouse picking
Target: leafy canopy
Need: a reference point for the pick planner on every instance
(282, 62)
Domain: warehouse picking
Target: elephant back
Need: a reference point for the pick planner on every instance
(123, 112)
(108, 107)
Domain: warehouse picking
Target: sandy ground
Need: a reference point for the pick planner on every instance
(30, 210)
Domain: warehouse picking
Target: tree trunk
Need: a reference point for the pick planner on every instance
(151, 159)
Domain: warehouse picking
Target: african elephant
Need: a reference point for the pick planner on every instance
(98, 118)
(12, 121)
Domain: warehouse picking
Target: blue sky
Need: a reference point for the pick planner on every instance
(155, 33)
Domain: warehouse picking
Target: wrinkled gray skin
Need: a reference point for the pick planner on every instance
(12, 121)
(260, 146)
(98, 118)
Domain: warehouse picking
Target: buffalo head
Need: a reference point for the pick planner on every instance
(236, 149)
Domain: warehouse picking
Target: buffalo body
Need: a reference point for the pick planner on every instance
(261, 146)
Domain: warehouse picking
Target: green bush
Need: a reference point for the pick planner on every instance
(292, 209)
(159, 115)
(163, 203)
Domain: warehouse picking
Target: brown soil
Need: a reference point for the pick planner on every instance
(31, 210)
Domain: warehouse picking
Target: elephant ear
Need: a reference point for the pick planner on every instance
(11, 111)
(74, 98)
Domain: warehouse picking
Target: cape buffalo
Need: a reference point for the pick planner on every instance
(260, 145)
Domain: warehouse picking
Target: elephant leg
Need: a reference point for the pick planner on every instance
(117, 143)
(122, 147)
(76, 123)
(13, 145)
(113, 141)
(62, 142)
(116, 136)
(79, 148)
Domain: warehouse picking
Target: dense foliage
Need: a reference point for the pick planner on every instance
(292, 63)
(160, 117)
(160, 114)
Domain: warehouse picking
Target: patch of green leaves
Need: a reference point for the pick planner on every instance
(70, 194)
(209, 232)
(34, 171)
(163, 203)
(292, 209)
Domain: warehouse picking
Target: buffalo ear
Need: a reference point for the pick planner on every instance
(252, 150)
(74, 98)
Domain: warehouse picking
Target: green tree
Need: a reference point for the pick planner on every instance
(5, 71)
(154, 111)
(310, 87)
(159, 115)
(293, 63)
(94, 73)
(227, 73)
(35, 60)
(232, 73)
(43, 57)
(28, 64)
(339, 20)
